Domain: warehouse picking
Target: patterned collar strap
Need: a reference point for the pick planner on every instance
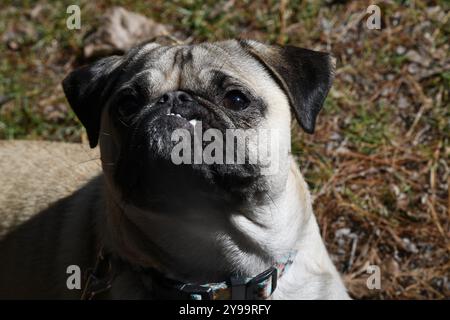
(260, 287)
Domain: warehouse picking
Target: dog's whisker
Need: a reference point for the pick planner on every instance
(122, 122)
(92, 159)
(108, 163)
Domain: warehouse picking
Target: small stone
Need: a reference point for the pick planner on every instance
(119, 30)
(413, 68)
(400, 50)
(13, 45)
(403, 103)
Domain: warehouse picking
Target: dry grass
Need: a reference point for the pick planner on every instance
(378, 164)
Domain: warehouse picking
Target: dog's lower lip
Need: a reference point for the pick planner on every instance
(174, 114)
(193, 122)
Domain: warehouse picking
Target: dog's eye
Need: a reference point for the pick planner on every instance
(235, 100)
(128, 105)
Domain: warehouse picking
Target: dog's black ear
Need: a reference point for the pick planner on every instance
(304, 75)
(86, 89)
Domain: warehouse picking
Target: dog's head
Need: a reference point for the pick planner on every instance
(134, 104)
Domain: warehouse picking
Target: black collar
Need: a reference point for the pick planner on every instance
(260, 287)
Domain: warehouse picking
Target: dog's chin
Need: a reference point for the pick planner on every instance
(148, 178)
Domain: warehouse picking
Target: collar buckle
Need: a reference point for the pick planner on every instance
(196, 292)
(255, 289)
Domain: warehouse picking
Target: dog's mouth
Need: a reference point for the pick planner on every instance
(158, 131)
(188, 117)
(191, 120)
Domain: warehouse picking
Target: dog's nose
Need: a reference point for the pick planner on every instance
(175, 98)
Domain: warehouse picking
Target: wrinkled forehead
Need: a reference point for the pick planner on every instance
(166, 68)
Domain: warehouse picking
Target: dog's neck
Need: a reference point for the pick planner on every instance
(209, 246)
(204, 247)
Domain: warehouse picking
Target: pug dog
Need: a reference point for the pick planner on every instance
(150, 228)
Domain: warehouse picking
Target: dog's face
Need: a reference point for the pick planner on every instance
(133, 104)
